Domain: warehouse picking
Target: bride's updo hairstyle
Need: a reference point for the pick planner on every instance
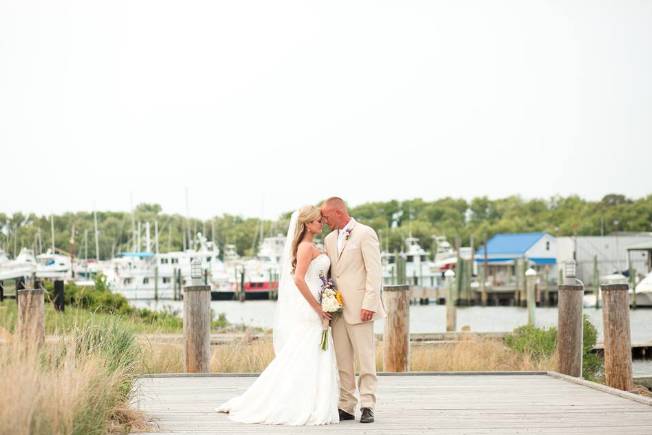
(307, 214)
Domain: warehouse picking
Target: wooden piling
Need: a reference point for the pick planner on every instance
(485, 275)
(617, 337)
(242, 296)
(530, 281)
(546, 293)
(58, 300)
(596, 281)
(197, 328)
(30, 328)
(451, 311)
(20, 285)
(156, 278)
(569, 329)
(396, 339)
(174, 284)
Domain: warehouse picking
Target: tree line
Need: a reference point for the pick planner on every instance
(461, 221)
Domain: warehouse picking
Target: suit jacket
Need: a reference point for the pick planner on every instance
(357, 271)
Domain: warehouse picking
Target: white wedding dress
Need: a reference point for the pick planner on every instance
(300, 386)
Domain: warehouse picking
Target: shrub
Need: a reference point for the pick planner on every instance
(540, 343)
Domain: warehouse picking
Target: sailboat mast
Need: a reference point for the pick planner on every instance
(97, 237)
(148, 241)
(139, 247)
(52, 230)
(156, 236)
(133, 223)
(187, 224)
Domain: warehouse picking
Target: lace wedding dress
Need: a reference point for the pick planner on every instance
(300, 386)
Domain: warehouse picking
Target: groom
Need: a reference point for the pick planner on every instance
(354, 252)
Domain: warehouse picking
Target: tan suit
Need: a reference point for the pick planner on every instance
(357, 272)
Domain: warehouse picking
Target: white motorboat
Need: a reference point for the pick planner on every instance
(261, 273)
(146, 275)
(24, 265)
(53, 266)
(419, 269)
(643, 292)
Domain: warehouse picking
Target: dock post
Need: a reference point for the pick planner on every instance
(632, 279)
(396, 338)
(530, 281)
(484, 296)
(617, 337)
(546, 281)
(20, 285)
(197, 322)
(596, 281)
(2, 291)
(570, 322)
(58, 300)
(156, 281)
(174, 284)
(242, 296)
(451, 313)
(30, 328)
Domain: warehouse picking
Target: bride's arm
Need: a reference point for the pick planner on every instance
(304, 257)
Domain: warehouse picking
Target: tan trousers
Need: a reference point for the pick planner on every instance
(355, 343)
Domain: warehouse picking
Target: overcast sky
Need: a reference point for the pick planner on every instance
(258, 107)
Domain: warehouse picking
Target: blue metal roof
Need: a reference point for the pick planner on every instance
(137, 254)
(510, 260)
(506, 243)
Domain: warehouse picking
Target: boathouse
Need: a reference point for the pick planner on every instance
(509, 254)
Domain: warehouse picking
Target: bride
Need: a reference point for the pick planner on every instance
(300, 386)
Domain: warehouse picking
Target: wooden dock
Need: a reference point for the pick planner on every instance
(418, 403)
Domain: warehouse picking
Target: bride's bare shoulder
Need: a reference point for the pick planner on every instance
(308, 249)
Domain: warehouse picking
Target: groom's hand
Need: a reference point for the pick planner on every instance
(366, 315)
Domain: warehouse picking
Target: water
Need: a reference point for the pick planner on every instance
(432, 318)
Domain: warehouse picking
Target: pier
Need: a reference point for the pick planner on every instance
(417, 403)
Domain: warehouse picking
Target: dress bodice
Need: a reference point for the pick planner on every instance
(318, 266)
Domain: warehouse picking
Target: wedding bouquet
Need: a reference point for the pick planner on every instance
(331, 302)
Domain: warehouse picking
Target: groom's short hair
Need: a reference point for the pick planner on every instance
(335, 202)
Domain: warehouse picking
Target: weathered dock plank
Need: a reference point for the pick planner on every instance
(434, 403)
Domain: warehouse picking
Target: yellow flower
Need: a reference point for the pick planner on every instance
(338, 296)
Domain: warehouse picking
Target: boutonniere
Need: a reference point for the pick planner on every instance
(347, 234)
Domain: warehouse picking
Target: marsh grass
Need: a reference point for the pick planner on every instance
(75, 317)
(252, 356)
(79, 384)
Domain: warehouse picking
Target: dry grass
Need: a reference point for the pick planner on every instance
(469, 355)
(241, 356)
(78, 385)
(247, 356)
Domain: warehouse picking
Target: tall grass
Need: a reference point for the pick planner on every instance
(247, 356)
(77, 385)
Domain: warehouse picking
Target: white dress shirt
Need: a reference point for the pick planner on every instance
(341, 234)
